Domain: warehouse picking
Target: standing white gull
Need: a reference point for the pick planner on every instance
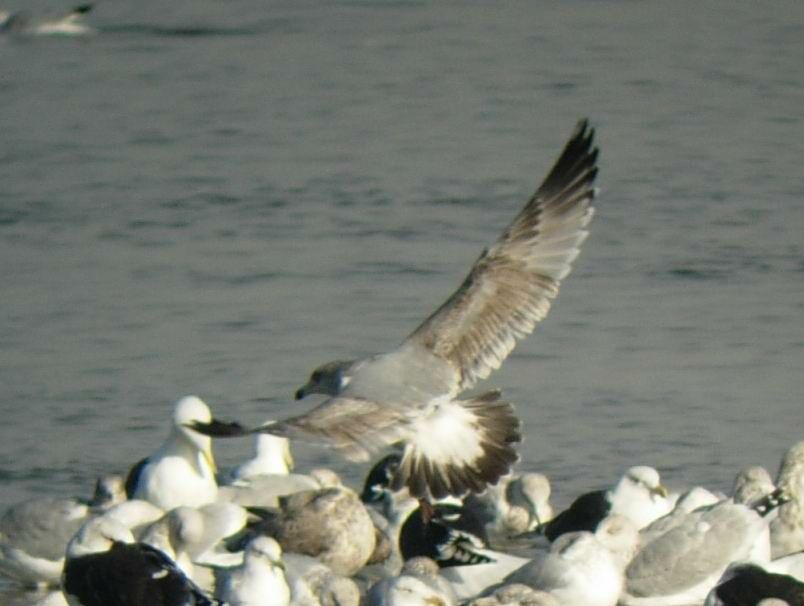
(273, 457)
(410, 394)
(182, 470)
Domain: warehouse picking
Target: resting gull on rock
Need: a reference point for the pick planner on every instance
(259, 580)
(411, 394)
(182, 470)
(680, 566)
(105, 566)
(34, 533)
(330, 524)
(583, 568)
(639, 495)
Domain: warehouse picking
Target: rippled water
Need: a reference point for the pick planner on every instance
(215, 197)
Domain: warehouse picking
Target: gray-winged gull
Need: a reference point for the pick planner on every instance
(34, 533)
(687, 502)
(683, 564)
(410, 394)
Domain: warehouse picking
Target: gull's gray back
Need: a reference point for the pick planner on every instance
(407, 376)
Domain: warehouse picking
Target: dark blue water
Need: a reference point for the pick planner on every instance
(214, 197)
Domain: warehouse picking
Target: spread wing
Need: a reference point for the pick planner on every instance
(355, 427)
(510, 287)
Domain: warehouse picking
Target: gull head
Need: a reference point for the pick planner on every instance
(328, 379)
(266, 549)
(648, 479)
(531, 492)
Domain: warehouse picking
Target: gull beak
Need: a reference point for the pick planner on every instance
(218, 429)
(660, 491)
(301, 392)
(288, 457)
(210, 459)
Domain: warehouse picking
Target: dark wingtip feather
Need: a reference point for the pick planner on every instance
(577, 162)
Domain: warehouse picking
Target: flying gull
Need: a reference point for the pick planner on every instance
(65, 25)
(410, 395)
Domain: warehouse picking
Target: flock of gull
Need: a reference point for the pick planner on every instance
(445, 518)
(175, 533)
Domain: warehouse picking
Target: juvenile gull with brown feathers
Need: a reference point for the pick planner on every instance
(410, 394)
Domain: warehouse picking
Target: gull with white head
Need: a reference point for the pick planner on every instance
(639, 496)
(259, 580)
(182, 470)
(272, 457)
(411, 394)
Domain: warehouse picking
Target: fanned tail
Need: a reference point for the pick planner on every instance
(462, 446)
